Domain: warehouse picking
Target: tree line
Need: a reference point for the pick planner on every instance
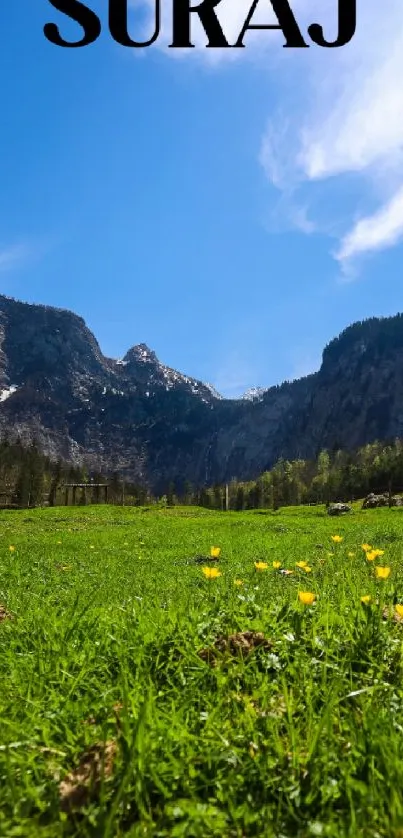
(29, 478)
(333, 476)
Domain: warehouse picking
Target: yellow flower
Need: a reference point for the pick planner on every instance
(59, 542)
(301, 564)
(366, 599)
(307, 569)
(261, 565)
(370, 556)
(306, 597)
(276, 565)
(366, 547)
(11, 548)
(399, 610)
(351, 555)
(382, 572)
(238, 582)
(377, 553)
(215, 552)
(92, 547)
(211, 572)
(336, 538)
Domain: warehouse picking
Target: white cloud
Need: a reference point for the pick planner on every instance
(363, 125)
(375, 232)
(341, 112)
(352, 125)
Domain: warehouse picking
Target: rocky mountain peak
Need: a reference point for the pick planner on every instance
(140, 354)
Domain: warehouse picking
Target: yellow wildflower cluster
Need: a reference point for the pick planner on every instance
(304, 566)
(211, 572)
(307, 598)
(371, 555)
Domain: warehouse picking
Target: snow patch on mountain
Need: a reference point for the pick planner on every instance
(112, 390)
(7, 392)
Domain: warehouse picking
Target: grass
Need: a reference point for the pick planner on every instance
(108, 614)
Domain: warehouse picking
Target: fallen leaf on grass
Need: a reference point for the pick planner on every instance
(84, 781)
(241, 643)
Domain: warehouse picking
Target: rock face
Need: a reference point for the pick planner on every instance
(149, 422)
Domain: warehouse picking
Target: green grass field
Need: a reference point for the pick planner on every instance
(104, 614)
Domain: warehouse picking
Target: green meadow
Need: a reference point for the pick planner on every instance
(134, 703)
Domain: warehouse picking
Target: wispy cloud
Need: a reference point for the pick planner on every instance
(341, 116)
(383, 228)
(353, 128)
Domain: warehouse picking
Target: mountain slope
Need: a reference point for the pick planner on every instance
(151, 423)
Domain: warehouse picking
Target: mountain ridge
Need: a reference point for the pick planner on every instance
(156, 425)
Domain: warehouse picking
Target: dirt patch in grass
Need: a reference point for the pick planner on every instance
(83, 783)
(4, 614)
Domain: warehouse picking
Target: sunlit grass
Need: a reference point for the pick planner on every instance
(105, 608)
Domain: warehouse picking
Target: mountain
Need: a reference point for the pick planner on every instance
(152, 424)
(254, 394)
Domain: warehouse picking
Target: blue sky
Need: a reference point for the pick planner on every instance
(233, 211)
